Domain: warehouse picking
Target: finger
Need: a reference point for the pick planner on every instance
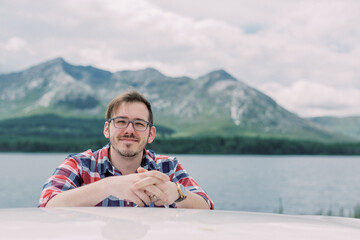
(141, 170)
(159, 203)
(149, 194)
(135, 199)
(143, 197)
(154, 190)
(156, 174)
(143, 183)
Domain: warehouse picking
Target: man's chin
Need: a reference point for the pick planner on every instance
(124, 152)
(128, 155)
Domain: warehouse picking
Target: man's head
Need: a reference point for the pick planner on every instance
(128, 97)
(129, 124)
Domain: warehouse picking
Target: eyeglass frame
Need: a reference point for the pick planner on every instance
(148, 124)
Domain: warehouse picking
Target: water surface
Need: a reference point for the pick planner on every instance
(287, 184)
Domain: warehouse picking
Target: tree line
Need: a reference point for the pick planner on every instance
(51, 133)
(186, 145)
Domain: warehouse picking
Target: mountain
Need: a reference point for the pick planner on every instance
(216, 104)
(52, 86)
(349, 126)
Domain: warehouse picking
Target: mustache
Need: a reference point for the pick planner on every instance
(131, 136)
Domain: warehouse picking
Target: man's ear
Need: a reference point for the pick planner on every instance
(106, 130)
(152, 134)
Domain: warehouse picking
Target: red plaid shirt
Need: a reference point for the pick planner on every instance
(91, 166)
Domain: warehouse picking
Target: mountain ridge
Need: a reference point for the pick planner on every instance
(213, 104)
(343, 125)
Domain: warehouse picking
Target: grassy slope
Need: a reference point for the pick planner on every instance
(54, 133)
(347, 125)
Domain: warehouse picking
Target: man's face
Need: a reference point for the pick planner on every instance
(128, 142)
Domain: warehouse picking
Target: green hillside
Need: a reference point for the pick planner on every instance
(52, 133)
(349, 126)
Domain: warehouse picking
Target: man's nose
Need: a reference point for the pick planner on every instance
(130, 127)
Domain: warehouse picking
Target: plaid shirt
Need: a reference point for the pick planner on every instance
(91, 166)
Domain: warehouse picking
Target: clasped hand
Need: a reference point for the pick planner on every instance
(145, 187)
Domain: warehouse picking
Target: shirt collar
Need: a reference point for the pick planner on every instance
(147, 162)
(103, 162)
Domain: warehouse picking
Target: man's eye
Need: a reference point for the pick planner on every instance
(140, 124)
(121, 122)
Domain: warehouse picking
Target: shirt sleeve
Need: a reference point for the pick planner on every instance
(65, 177)
(180, 175)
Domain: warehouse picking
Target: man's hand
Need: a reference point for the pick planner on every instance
(136, 187)
(170, 190)
(153, 190)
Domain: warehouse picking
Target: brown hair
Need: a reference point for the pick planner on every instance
(129, 96)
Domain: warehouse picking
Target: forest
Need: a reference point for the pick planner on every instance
(51, 133)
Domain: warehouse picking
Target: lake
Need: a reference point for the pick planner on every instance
(287, 184)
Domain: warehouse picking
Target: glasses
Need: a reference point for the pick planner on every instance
(120, 122)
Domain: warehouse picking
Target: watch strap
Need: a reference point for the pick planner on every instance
(182, 192)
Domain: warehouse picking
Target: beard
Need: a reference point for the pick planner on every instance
(126, 151)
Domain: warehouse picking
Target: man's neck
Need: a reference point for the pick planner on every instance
(126, 165)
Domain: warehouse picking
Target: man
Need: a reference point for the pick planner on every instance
(124, 173)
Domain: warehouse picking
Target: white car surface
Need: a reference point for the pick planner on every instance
(169, 224)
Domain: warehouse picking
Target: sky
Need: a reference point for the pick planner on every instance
(304, 54)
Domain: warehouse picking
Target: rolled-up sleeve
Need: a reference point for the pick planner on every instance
(180, 175)
(67, 176)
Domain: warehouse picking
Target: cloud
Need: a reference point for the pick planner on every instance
(259, 42)
(16, 45)
(314, 99)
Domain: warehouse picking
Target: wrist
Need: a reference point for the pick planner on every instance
(182, 193)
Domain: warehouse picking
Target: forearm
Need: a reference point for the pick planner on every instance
(84, 196)
(193, 200)
(121, 187)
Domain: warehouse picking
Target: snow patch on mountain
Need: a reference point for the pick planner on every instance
(221, 86)
(45, 100)
(35, 83)
(238, 106)
(14, 95)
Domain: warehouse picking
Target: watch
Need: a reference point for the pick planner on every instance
(182, 192)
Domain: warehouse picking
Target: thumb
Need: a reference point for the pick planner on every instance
(141, 170)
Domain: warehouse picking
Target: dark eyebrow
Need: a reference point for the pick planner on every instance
(133, 119)
(141, 119)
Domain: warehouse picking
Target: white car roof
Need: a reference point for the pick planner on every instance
(157, 223)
